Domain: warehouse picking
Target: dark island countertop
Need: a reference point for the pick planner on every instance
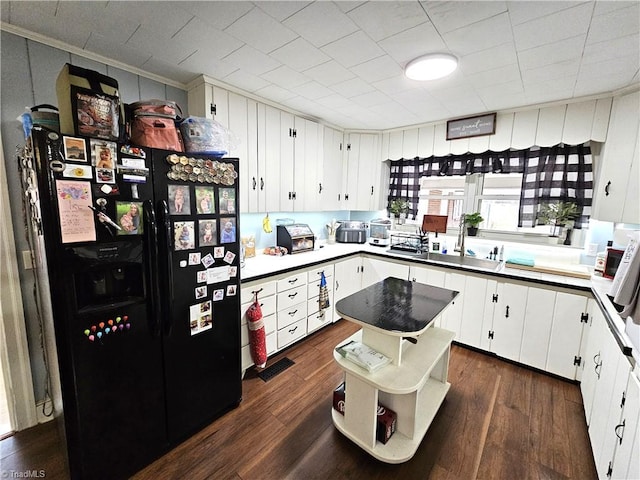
(396, 306)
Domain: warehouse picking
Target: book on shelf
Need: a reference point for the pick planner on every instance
(363, 356)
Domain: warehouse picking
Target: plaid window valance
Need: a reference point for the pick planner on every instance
(562, 173)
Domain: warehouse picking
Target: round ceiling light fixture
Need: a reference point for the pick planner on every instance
(431, 67)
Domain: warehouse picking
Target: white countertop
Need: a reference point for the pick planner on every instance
(262, 266)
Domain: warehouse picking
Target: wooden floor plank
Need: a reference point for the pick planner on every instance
(499, 421)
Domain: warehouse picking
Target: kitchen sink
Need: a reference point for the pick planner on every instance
(462, 261)
(465, 261)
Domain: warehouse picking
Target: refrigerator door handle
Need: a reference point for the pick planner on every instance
(167, 247)
(151, 237)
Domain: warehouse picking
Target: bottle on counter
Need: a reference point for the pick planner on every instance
(601, 259)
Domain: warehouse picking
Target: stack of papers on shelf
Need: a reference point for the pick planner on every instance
(363, 355)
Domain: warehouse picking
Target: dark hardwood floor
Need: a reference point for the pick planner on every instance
(499, 421)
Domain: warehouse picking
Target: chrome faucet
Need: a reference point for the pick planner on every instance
(461, 234)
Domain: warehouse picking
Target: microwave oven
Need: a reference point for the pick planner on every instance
(612, 262)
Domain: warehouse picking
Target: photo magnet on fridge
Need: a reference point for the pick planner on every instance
(75, 149)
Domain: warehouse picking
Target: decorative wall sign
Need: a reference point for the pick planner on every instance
(471, 126)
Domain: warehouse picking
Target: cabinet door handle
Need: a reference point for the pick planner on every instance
(254, 182)
(293, 280)
(506, 313)
(606, 189)
(320, 188)
(616, 431)
(291, 314)
(261, 183)
(293, 329)
(371, 189)
(293, 295)
(337, 285)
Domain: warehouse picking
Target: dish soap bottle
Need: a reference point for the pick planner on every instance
(444, 247)
(601, 259)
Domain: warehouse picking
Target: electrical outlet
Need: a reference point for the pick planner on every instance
(592, 249)
(26, 259)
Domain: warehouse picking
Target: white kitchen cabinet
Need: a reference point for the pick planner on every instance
(298, 139)
(291, 304)
(630, 443)
(332, 171)
(269, 180)
(508, 320)
(591, 367)
(626, 462)
(568, 335)
(607, 439)
(209, 101)
(428, 275)
(451, 318)
(238, 124)
(477, 310)
(396, 138)
(606, 397)
(616, 198)
(374, 270)
(347, 279)
(538, 320)
(311, 151)
(266, 291)
(410, 143)
(365, 181)
(317, 318)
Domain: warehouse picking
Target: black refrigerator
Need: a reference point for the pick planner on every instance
(143, 259)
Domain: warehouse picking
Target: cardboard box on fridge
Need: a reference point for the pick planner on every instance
(387, 418)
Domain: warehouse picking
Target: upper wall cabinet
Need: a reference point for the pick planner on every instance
(209, 101)
(572, 124)
(616, 198)
(332, 173)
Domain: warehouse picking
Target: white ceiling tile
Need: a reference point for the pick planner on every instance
(274, 93)
(335, 101)
(347, 5)
(329, 73)
(479, 36)
(261, 31)
(205, 37)
(606, 7)
(127, 54)
(246, 81)
(378, 69)
(549, 54)
(602, 82)
(550, 72)
(285, 77)
(205, 63)
(83, 14)
(370, 99)
(493, 57)
(166, 18)
(305, 23)
(507, 73)
(382, 19)
(159, 46)
(522, 12)
(281, 10)
(617, 47)
(448, 16)
(350, 88)
(251, 60)
(41, 17)
(414, 42)
(618, 66)
(299, 103)
(300, 55)
(218, 14)
(393, 85)
(567, 23)
(614, 24)
(167, 70)
(490, 94)
(312, 90)
(353, 49)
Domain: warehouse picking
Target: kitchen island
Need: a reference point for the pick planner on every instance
(397, 318)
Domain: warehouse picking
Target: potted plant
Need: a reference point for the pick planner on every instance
(557, 215)
(472, 220)
(399, 209)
